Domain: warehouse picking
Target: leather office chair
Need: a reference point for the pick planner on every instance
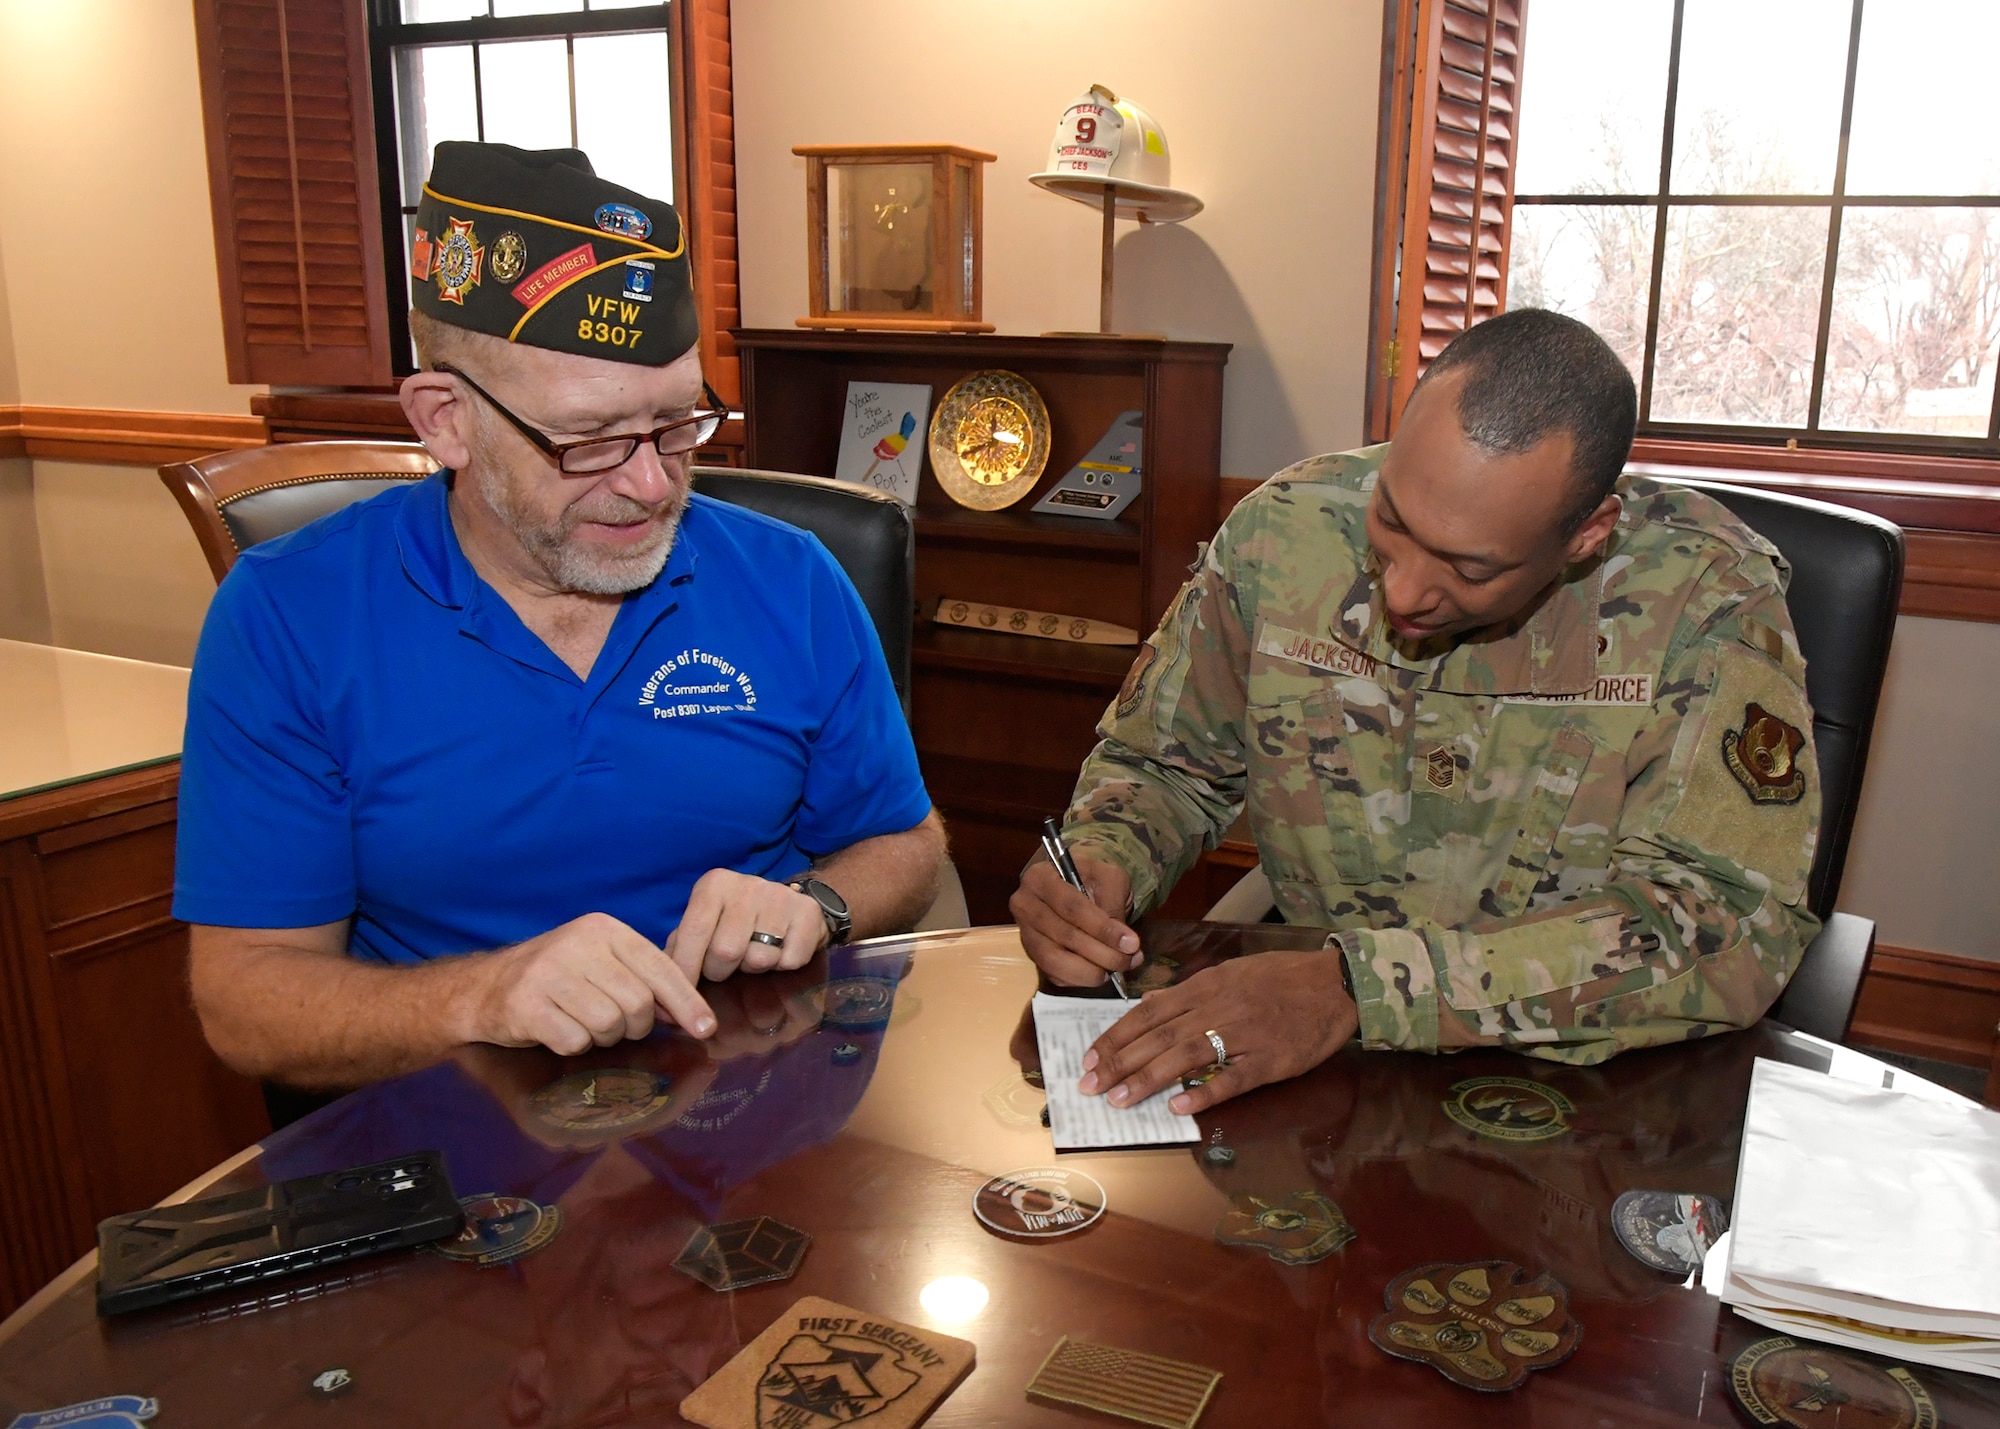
(1847, 574)
(234, 500)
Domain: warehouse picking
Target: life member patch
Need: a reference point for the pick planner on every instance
(1763, 755)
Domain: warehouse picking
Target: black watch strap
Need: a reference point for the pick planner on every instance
(839, 922)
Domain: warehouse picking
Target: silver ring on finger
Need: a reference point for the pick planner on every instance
(1215, 1041)
(769, 940)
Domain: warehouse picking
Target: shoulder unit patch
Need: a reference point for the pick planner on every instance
(1763, 755)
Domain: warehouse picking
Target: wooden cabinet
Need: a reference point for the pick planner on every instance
(1002, 721)
(110, 1098)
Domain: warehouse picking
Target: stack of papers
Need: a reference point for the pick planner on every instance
(1064, 1029)
(1867, 1218)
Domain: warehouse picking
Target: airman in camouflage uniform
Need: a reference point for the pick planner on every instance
(1529, 736)
(1589, 834)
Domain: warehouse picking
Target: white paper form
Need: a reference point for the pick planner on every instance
(1064, 1029)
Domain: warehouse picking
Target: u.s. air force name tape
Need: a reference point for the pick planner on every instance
(1010, 620)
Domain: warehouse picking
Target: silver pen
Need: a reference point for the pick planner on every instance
(1058, 852)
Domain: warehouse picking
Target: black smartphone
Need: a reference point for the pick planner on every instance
(171, 1252)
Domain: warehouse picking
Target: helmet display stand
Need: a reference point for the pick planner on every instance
(1111, 154)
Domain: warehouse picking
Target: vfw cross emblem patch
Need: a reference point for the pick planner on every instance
(818, 1381)
(459, 256)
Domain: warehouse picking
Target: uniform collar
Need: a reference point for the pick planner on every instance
(1553, 652)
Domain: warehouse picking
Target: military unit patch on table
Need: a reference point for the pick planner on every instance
(1780, 1381)
(1668, 1231)
(1484, 1324)
(1039, 1203)
(115, 1411)
(820, 1365)
(856, 1003)
(1015, 1102)
(1146, 1388)
(499, 1229)
(609, 1099)
(1509, 1109)
(736, 1254)
(1300, 1229)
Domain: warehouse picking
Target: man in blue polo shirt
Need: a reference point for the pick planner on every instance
(545, 707)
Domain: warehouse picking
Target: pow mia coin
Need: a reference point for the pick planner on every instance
(1780, 1381)
(1667, 1231)
(1509, 1109)
(1039, 1203)
(499, 1229)
(607, 1099)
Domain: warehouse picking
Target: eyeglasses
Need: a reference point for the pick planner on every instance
(600, 454)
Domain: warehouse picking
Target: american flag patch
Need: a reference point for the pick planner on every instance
(1145, 1388)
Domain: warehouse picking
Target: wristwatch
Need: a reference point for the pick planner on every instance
(832, 907)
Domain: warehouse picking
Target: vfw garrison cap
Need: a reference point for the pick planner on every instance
(532, 246)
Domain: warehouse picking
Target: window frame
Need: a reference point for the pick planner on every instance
(1837, 201)
(388, 33)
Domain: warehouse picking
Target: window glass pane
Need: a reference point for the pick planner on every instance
(1916, 321)
(430, 12)
(1923, 109)
(1758, 110)
(1739, 313)
(524, 93)
(434, 101)
(624, 114)
(1593, 97)
(536, 7)
(1591, 261)
(620, 4)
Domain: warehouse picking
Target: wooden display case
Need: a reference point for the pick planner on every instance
(1003, 721)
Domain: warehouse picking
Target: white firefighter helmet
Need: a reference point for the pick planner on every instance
(1103, 139)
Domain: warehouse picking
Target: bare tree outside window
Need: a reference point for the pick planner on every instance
(1783, 214)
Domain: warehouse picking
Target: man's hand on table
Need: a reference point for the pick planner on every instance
(725, 908)
(1278, 1014)
(1076, 941)
(592, 981)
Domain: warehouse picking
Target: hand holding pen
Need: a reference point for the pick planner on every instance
(1058, 853)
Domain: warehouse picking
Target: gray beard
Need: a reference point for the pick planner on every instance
(569, 567)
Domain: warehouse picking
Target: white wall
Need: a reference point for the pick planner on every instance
(1925, 861)
(105, 239)
(1270, 112)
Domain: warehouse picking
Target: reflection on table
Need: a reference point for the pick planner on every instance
(868, 1120)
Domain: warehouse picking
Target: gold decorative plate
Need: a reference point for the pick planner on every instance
(990, 440)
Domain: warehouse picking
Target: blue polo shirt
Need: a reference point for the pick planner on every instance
(373, 732)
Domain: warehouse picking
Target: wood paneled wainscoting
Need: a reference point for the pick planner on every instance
(109, 1097)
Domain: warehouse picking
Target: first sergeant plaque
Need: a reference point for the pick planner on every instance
(821, 1365)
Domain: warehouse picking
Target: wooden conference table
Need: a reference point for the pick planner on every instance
(872, 1139)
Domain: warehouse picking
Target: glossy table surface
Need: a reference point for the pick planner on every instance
(69, 715)
(877, 1157)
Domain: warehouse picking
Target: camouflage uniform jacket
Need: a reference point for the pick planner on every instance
(1585, 832)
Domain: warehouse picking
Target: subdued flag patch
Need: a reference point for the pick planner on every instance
(1144, 1388)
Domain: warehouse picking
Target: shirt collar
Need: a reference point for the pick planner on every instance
(436, 564)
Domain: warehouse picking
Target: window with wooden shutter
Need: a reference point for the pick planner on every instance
(293, 188)
(1454, 84)
(710, 184)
